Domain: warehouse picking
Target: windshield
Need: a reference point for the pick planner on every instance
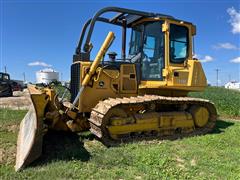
(153, 51)
(135, 42)
(4, 76)
(147, 45)
(178, 43)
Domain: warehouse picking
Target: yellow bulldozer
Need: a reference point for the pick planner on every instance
(140, 95)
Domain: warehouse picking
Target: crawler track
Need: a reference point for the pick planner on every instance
(99, 123)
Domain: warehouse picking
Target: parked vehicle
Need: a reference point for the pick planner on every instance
(5, 85)
(16, 86)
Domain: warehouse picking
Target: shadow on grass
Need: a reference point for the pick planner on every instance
(62, 146)
(69, 146)
(221, 126)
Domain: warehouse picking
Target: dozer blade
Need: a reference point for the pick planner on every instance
(30, 137)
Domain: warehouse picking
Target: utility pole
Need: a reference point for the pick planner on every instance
(24, 79)
(238, 72)
(5, 69)
(217, 70)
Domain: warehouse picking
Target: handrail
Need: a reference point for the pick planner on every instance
(87, 46)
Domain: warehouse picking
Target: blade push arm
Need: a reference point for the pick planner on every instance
(108, 41)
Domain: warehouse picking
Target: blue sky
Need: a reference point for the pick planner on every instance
(37, 34)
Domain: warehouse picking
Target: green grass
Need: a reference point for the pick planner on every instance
(9, 124)
(11, 117)
(80, 156)
(60, 91)
(71, 156)
(226, 101)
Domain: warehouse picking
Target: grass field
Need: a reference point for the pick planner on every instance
(227, 101)
(71, 156)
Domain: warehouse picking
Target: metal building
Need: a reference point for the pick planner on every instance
(233, 85)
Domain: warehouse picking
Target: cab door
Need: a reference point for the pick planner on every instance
(179, 52)
(178, 44)
(152, 61)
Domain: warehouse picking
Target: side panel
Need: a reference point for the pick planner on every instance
(188, 78)
(128, 78)
(197, 76)
(107, 83)
(192, 76)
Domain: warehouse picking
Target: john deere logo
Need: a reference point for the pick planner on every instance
(101, 83)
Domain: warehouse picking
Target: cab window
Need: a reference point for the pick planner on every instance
(135, 42)
(6, 77)
(153, 57)
(178, 43)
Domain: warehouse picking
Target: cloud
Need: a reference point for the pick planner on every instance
(47, 70)
(39, 63)
(196, 56)
(235, 60)
(234, 19)
(206, 58)
(203, 59)
(226, 45)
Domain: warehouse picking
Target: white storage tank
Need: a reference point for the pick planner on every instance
(46, 76)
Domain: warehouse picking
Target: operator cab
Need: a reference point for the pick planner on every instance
(147, 43)
(153, 36)
(4, 76)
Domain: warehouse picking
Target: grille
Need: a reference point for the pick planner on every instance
(128, 69)
(128, 77)
(129, 84)
(75, 80)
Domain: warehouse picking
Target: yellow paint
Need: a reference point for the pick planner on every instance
(152, 121)
(109, 39)
(190, 75)
(39, 100)
(107, 83)
(101, 83)
(190, 78)
(200, 116)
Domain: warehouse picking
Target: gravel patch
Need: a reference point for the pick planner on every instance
(19, 101)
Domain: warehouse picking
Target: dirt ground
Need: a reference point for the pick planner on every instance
(20, 100)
